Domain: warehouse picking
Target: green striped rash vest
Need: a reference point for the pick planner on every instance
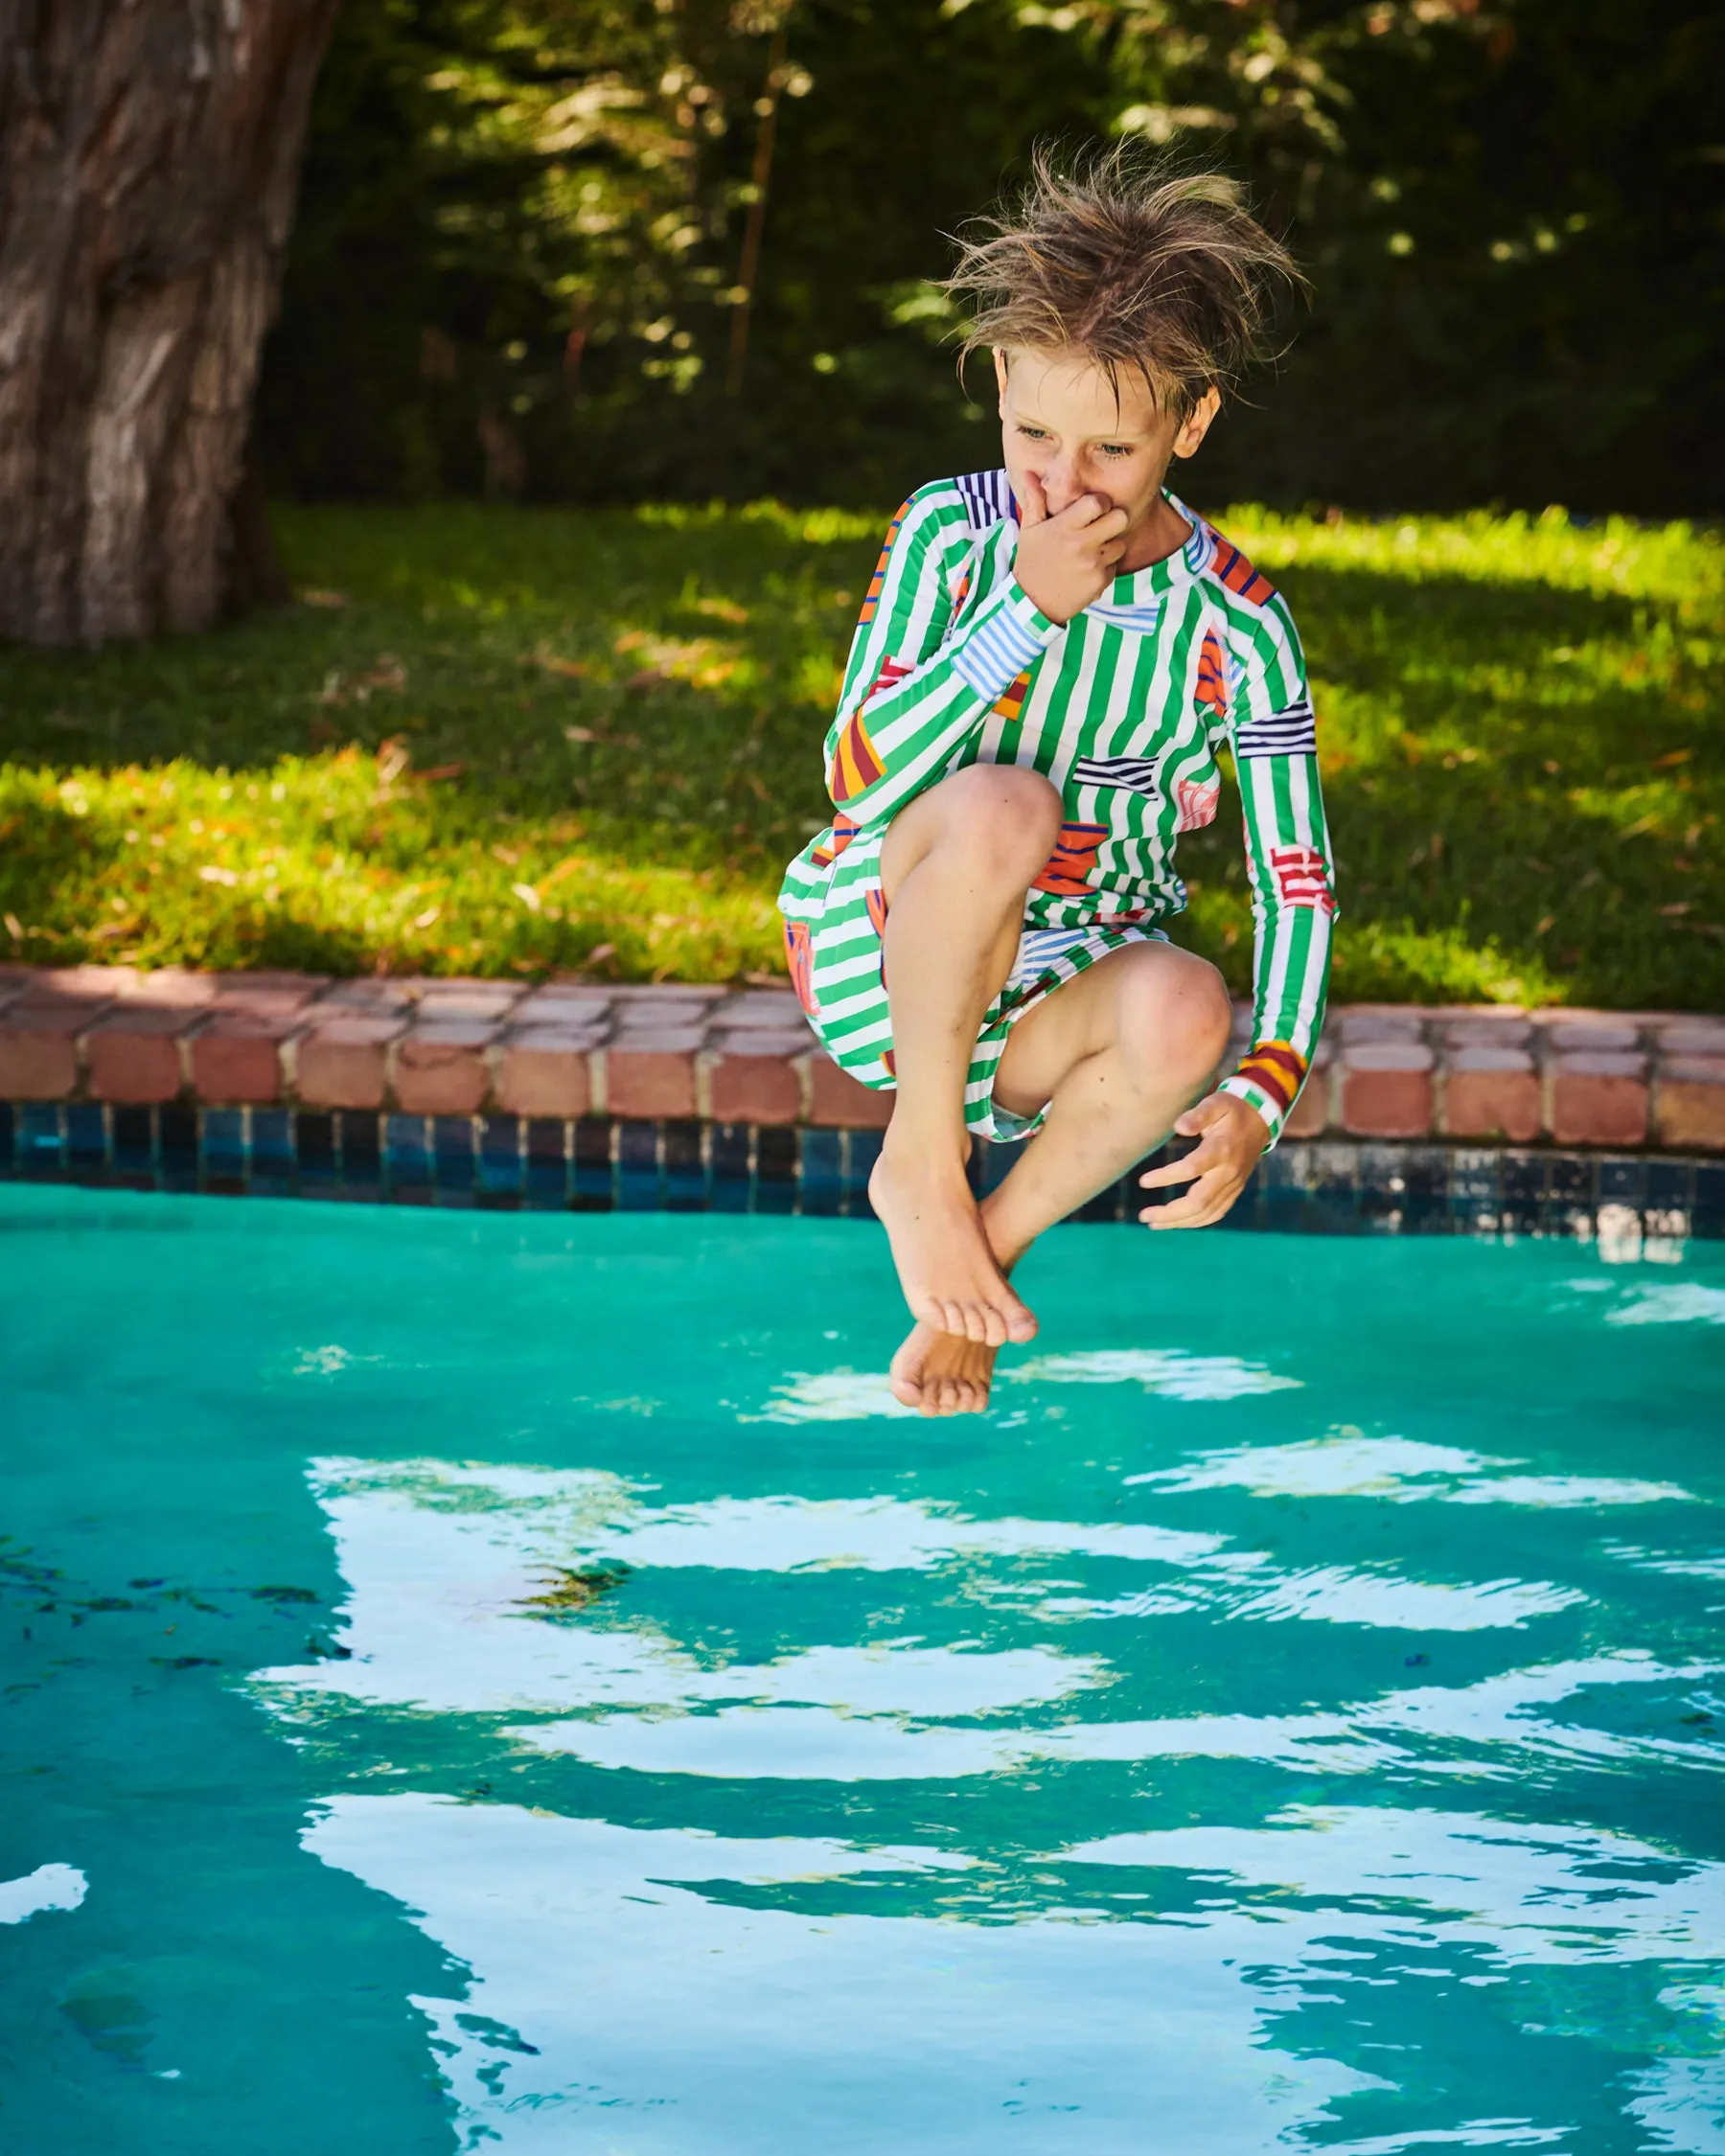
(1125, 709)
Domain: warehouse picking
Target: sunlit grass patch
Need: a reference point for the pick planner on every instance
(493, 741)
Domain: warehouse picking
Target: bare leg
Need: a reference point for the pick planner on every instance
(1118, 1054)
(954, 869)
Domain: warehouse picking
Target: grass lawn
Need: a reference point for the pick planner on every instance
(519, 741)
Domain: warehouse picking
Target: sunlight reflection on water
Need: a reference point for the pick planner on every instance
(1293, 1720)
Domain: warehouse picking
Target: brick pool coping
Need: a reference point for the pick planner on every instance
(1621, 1081)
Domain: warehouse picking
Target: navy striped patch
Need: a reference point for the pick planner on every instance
(1136, 773)
(987, 499)
(1291, 731)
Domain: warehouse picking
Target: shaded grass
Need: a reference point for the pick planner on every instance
(499, 741)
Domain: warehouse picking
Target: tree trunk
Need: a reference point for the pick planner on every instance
(150, 151)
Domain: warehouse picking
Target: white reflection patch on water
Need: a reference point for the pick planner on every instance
(50, 1886)
(1674, 1568)
(831, 1396)
(1171, 1373)
(662, 1998)
(1492, 1730)
(1495, 1729)
(784, 1534)
(436, 1618)
(1553, 1895)
(1682, 2105)
(1569, 1490)
(1405, 1471)
(1344, 1464)
(444, 1565)
(776, 1744)
(1675, 1302)
(1472, 2133)
(1335, 1595)
(1168, 1371)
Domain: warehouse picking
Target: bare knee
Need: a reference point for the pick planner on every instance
(1177, 1015)
(1000, 819)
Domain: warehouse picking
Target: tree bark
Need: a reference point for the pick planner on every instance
(150, 153)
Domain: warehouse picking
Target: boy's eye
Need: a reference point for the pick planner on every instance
(1034, 433)
(1116, 450)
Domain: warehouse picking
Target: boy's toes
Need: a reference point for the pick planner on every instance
(1022, 1325)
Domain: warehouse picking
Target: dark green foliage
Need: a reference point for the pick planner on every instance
(1519, 264)
(524, 220)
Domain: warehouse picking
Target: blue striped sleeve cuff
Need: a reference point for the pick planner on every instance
(1005, 638)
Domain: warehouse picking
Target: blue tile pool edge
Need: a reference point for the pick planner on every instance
(610, 1164)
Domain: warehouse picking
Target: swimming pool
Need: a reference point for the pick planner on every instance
(480, 1681)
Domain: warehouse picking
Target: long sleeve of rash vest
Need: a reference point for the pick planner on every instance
(923, 675)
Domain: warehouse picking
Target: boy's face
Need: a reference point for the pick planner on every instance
(1063, 424)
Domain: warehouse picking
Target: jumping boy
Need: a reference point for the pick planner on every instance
(1047, 661)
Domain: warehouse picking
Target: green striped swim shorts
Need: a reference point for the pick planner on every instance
(838, 967)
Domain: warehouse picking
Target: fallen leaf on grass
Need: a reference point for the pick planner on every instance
(584, 734)
(392, 758)
(315, 597)
(528, 896)
(388, 674)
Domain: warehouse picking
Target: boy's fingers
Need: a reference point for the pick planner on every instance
(1083, 512)
(1034, 508)
(1201, 1161)
(1207, 1199)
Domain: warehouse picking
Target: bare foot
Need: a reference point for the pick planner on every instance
(944, 1265)
(942, 1375)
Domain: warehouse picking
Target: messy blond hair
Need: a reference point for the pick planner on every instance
(1133, 262)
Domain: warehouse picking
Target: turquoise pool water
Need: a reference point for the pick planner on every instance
(484, 1682)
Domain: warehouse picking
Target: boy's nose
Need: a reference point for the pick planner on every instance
(1060, 486)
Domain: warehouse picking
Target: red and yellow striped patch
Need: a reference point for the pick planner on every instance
(1239, 576)
(875, 899)
(1277, 1069)
(856, 766)
(1213, 674)
(1012, 697)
